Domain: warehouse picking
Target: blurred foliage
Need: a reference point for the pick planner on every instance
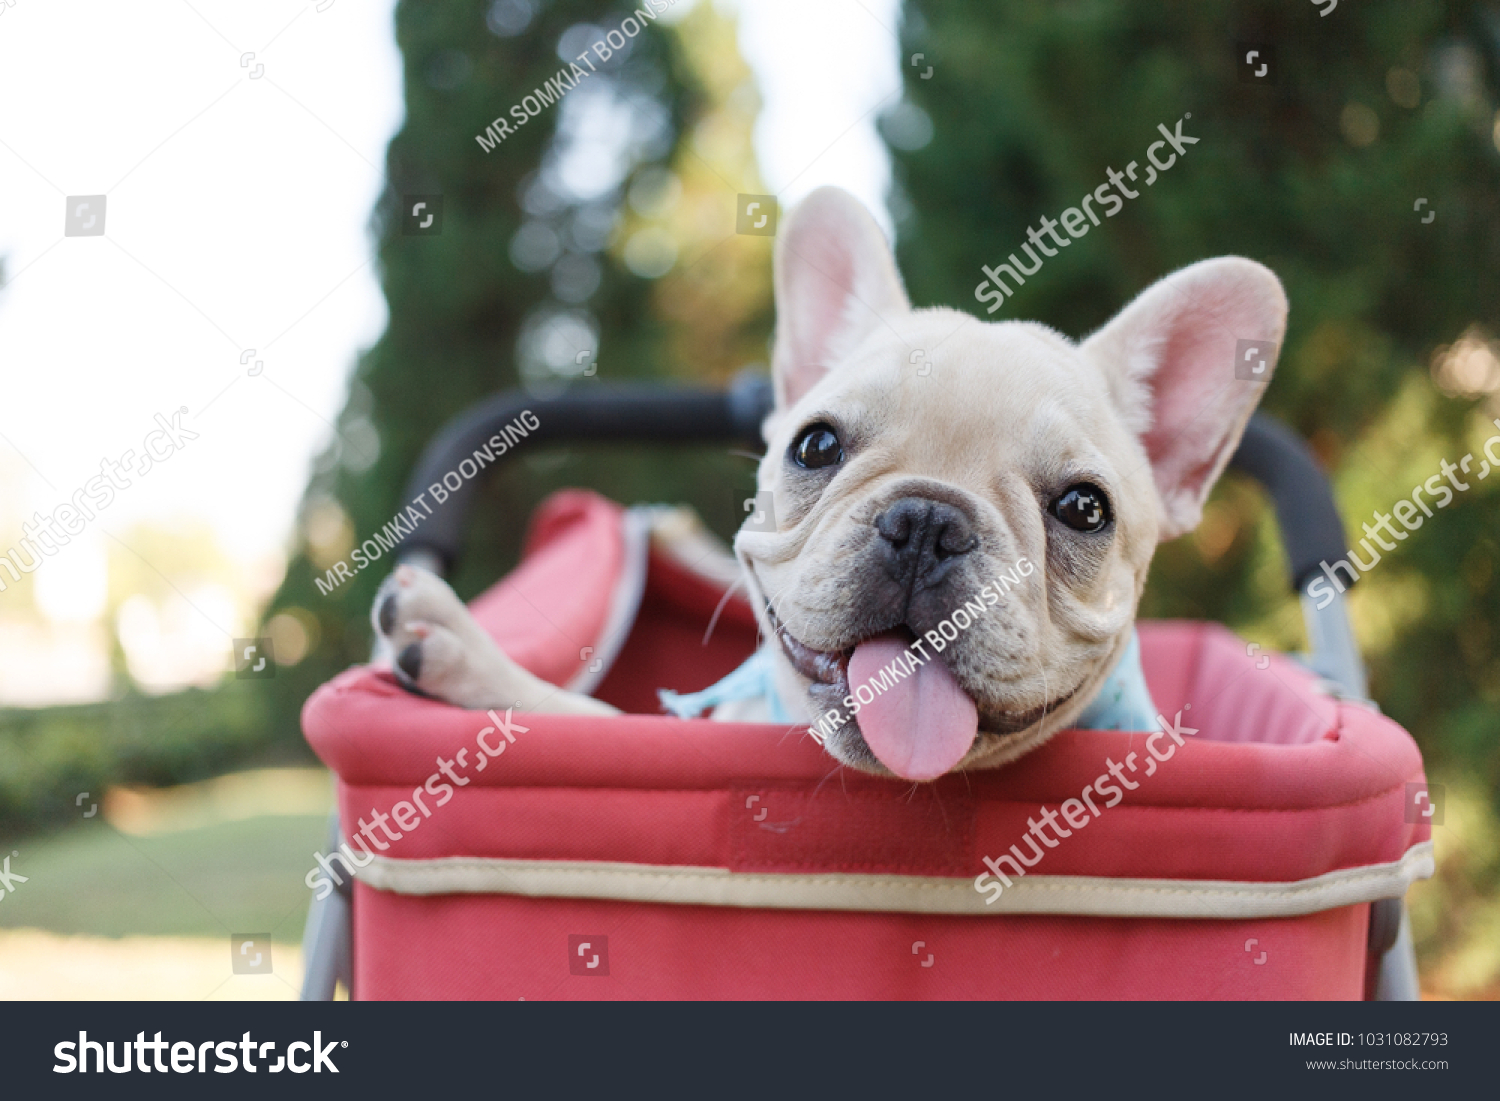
(48, 756)
(602, 230)
(1456, 915)
(1316, 176)
(604, 225)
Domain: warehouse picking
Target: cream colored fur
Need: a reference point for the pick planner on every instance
(991, 418)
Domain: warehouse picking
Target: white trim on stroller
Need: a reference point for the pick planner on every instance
(1098, 896)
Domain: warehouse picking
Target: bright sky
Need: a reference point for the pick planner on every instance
(826, 70)
(238, 191)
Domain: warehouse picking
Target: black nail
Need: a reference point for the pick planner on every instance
(410, 661)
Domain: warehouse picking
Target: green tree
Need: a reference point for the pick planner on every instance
(550, 244)
(1373, 107)
(610, 215)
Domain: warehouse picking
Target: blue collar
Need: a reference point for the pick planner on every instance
(1123, 701)
(755, 679)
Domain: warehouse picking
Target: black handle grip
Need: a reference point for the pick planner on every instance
(1311, 530)
(655, 413)
(659, 413)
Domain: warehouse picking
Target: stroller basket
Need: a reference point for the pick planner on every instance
(1261, 848)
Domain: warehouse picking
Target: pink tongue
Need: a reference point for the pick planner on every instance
(922, 725)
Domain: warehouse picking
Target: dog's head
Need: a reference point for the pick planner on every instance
(989, 495)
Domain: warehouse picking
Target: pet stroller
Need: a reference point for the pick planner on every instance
(646, 856)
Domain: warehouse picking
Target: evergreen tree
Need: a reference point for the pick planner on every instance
(552, 238)
(1315, 169)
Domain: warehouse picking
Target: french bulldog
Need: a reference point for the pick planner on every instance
(914, 458)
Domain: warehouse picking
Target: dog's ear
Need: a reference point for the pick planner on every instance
(1170, 359)
(834, 277)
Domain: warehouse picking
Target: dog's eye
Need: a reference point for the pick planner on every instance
(817, 447)
(1082, 507)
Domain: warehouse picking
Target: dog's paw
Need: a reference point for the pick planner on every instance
(434, 643)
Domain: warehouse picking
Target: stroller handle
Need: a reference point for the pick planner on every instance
(643, 412)
(662, 413)
(1311, 531)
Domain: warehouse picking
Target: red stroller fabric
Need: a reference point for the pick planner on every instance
(645, 856)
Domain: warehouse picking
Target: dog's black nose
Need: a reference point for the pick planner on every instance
(921, 539)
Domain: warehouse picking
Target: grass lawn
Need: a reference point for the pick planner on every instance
(217, 880)
(119, 905)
